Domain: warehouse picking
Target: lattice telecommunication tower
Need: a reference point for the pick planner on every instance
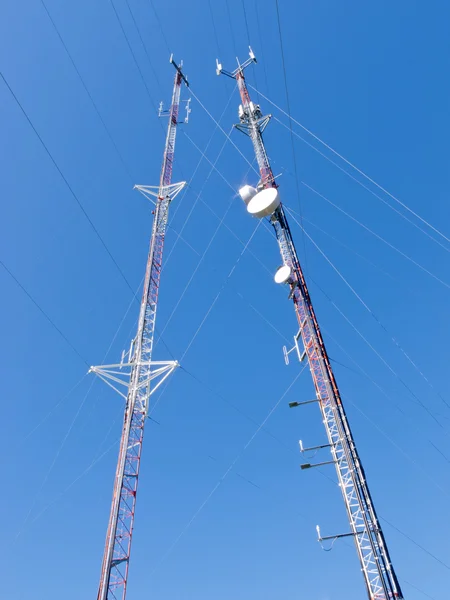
(264, 202)
(137, 376)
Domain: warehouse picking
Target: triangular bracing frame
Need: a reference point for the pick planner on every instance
(156, 191)
(118, 376)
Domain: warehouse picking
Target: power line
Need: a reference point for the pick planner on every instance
(83, 473)
(64, 440)
(214, 300)
(231, 27)
(248, 40)
(413, 541)
(196, 378)
(189, 186)
(181, 296)
(390, 439)
(69, 187)
(43, 312)
(52, 465)
(236, 408)
(98, 112)
(418, 589)
(289, 112)
(207, 247)
(379, 237)
(258, 26)
(58, 33)
(408, 537)
(149, 59)
(371, 380)
(206, 179)
(100, 456)
(245, 20)
(230, 230)
(92, 101)
(359, 255)
(214, 27)
(244, 8)
(52, 410)
(269, 323)
(184, 240)
(236, 237)
(160, 26)
(225, 474)
(355, 167)
(329, 478)
(388, 398)
(221, 289)
(434, 446)
(386, 363)
(394, 279)
(135, 59)
(365, 187)
(223, 131)
(369, 310)
(67, 488)
(382, 359)
(144, 46)
(383, 392)
(198, 100)
(221, 222)
(213, 164)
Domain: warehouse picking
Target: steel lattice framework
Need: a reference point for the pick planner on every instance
(132, 377)
(379, 575)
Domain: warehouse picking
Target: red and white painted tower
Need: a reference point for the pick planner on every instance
(137, 376)
(263, 201)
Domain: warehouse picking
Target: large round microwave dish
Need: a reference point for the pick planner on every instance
(264, 203)
(283, 274)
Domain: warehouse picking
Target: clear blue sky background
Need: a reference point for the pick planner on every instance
(372, 81)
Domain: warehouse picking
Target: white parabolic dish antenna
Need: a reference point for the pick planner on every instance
(283, 274)
(247, 192)
(264, 203)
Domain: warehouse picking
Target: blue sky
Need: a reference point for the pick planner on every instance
(370, 80)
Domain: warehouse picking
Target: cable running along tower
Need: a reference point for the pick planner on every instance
(263, 201)
(137, 376)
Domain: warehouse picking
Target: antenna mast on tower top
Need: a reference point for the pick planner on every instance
(137, 376)
(264, 201)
